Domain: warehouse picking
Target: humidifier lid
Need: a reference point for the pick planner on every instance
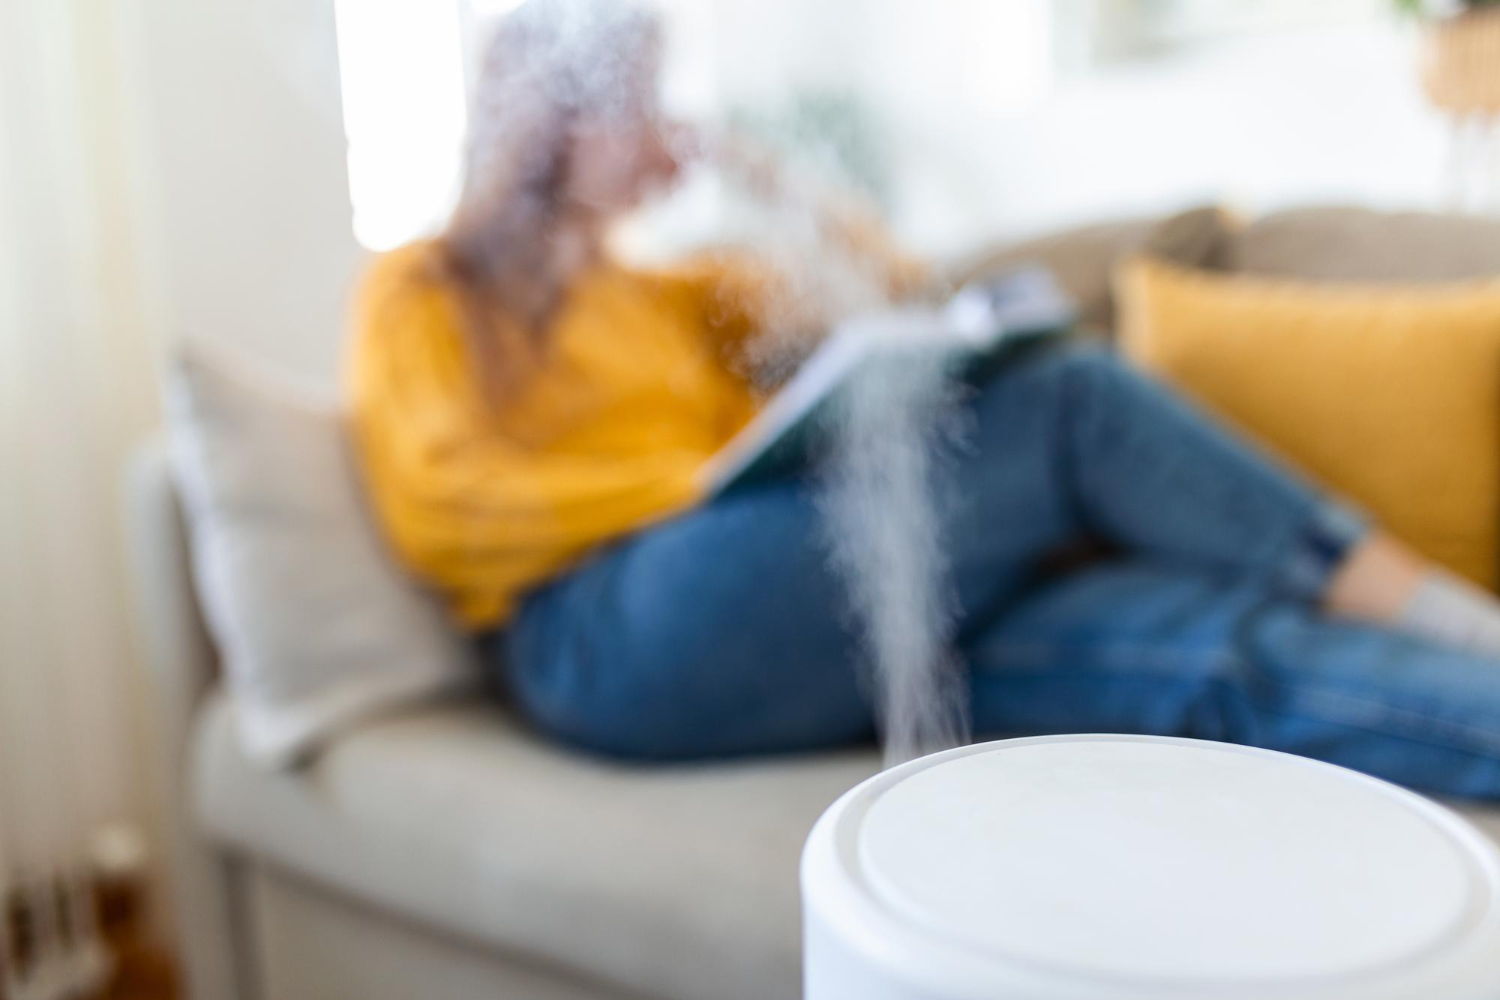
(1173, 866)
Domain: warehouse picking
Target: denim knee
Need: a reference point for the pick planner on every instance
(1085, 382)
(1080, 365)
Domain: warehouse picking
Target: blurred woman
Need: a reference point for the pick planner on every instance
(533, 419)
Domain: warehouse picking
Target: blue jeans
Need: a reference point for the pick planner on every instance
(724, 632)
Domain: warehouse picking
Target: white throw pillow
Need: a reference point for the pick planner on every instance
(317, 627)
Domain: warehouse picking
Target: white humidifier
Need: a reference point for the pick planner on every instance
(1103, 867)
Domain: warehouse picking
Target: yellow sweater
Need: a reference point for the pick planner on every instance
(606, 435)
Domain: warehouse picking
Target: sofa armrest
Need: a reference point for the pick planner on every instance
(181, 670)
(182, 660)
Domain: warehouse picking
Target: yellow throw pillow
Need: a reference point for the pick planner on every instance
(1389, 395)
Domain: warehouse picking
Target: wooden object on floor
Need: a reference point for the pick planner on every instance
(142, 971)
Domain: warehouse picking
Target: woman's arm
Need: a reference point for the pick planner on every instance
(466, 506)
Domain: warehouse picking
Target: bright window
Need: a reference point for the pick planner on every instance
(401, 71)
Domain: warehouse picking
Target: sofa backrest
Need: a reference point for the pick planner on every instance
(1084, 259)
(1356, 244)
(1317, 244)
(177, 645)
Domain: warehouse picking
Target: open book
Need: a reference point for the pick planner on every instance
(974, 331)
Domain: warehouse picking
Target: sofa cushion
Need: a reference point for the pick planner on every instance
(674, 882)
(1326, 374)
(1357, 244)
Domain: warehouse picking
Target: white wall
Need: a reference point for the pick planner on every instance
(252, 227)
(991, 142)
(1322, 116)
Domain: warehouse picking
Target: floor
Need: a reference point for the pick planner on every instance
(143, 970)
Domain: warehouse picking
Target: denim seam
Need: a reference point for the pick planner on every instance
(1158, 659)
(1209, 494)
(1286, 555)
(1064, 457)
(1352, 710)
(1317, 703)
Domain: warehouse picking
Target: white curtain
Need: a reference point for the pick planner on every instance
(75, 391)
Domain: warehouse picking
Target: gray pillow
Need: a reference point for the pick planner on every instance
(316, 626)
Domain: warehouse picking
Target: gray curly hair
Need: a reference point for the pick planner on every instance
(549, 65)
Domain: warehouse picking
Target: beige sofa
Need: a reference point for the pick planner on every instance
(449, 854)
